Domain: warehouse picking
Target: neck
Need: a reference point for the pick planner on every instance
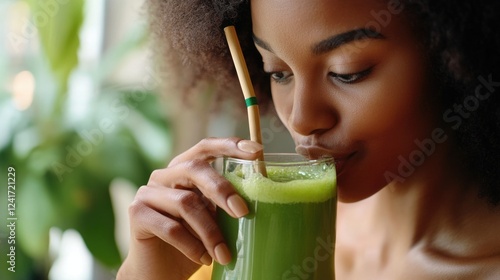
(429, 205)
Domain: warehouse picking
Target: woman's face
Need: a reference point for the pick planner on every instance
(348, 79)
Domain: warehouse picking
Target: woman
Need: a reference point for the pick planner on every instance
(403, 94)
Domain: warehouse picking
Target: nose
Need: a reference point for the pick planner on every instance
(313, 109)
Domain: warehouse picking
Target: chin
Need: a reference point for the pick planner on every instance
(350, 191)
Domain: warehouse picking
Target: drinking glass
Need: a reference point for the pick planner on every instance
(289, 232)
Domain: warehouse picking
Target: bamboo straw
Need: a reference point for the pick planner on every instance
(247, 88)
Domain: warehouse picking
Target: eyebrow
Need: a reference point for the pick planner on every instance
(261, 43)
(333, 42)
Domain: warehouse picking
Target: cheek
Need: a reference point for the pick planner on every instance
(393, 111)
(282, 104)
(395, 101)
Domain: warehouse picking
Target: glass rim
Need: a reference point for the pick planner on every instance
(271, 159)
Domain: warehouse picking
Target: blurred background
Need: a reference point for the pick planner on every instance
(83, 122)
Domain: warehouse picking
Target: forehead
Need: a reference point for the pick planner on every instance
(312, 20)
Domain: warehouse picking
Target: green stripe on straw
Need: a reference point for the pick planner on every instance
(251, 101)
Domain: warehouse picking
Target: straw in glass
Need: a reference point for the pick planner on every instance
(247, 88)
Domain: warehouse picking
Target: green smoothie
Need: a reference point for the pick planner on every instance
(290, 230)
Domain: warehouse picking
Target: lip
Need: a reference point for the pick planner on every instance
(315, 152)
(340, 164)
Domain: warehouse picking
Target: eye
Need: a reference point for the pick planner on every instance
(350, 78)
(280, 77)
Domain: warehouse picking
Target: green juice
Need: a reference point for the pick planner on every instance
(290, 230)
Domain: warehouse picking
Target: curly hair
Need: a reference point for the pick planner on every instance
(192, 43)
(461, 39)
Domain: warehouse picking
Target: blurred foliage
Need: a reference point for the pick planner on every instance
(57, 35)
(64, 161)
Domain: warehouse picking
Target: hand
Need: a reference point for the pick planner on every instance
(173, 230)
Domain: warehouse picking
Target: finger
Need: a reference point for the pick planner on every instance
(199, 174)
(210, 148)
(150, 223)
(193, 213)
(185, 205)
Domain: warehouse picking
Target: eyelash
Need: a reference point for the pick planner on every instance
(350, 78)
(285, 78)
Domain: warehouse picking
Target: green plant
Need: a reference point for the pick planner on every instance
(65, 162)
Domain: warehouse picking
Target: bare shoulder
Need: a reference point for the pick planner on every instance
(458, 247)
(480, 233)
(469, 249)
(429, 264)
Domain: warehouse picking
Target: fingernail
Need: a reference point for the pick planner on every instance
(206, 259)
(222, 254)
(237, 205)
(248, 146)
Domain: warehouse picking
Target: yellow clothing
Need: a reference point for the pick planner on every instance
(203, 273)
